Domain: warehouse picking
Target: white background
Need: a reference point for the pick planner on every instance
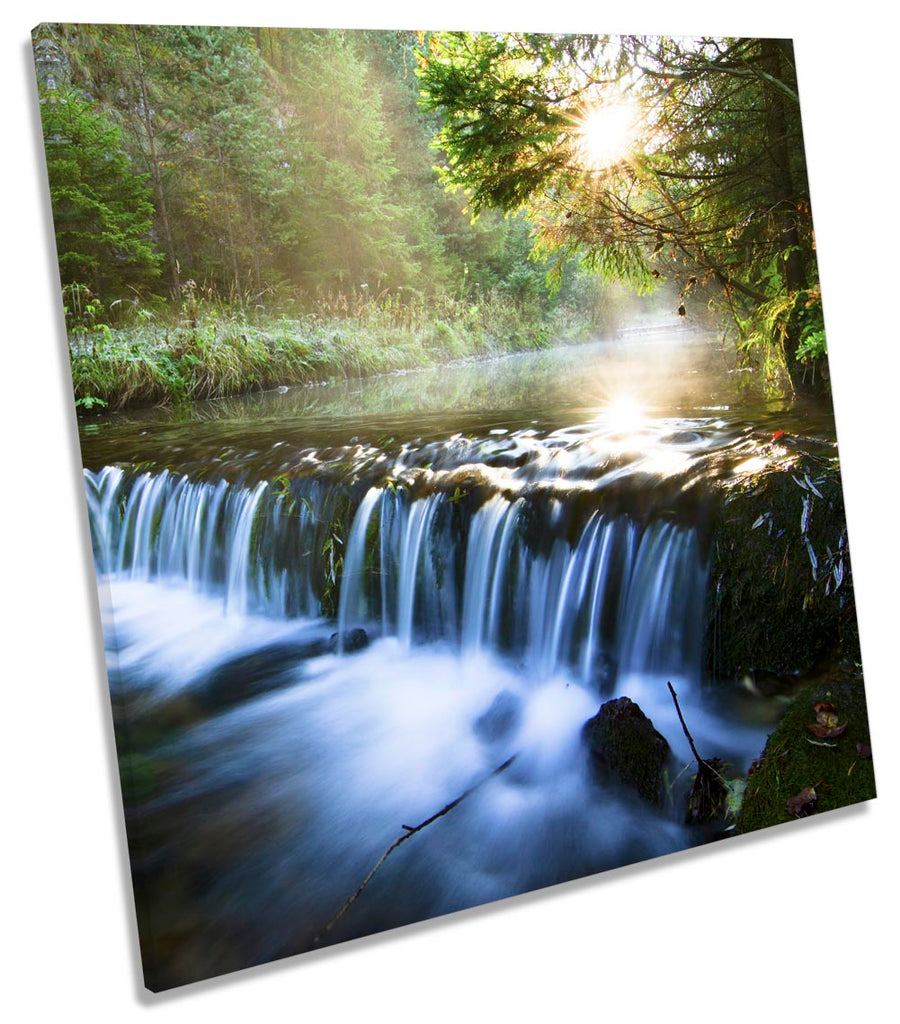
(799, 920)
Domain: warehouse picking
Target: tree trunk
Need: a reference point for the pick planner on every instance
(226, 194)
(774, 55)
(156, 172)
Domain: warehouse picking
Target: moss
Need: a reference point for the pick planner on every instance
(781, 589)
(840, 769)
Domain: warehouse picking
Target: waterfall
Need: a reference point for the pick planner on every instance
(257, 548)
(510, 574)
(618, 594)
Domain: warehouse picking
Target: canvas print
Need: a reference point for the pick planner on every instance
(460, 464)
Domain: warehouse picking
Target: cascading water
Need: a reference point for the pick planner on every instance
(317, 648)
(618, 592)
(615, 594)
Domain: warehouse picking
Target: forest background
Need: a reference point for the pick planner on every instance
(238, 208)
(242, 208)
(744, 915)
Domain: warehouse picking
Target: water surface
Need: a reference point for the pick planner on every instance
(514, 540)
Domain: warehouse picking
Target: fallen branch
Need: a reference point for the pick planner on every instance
(410, 831)
(709, 794)
(690, 738)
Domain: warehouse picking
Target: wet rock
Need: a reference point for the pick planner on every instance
(500, 719)
(259, 672)
(682, 437)
(270, 668)
(625, 746)
(354, 640)
(507, 459)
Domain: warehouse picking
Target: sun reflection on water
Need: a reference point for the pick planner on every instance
(625, 415)
(749, 467)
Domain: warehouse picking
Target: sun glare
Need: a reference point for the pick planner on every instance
(624, 415)
(606, 133)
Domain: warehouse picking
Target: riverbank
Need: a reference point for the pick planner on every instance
(818, 759)
(219, 353)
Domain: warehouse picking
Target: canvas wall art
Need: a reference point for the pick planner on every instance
(460, 464)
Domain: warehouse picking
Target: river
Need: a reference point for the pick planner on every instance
(331, 611)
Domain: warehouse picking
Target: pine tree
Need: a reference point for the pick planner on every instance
(349, 221)
(102, 209)
(228, 154)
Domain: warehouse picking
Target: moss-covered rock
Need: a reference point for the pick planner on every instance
(781, 595)
(805, 771)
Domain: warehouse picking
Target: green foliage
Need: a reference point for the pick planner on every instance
(510, 105)
(88, 402)
(288, 179)
(711, 187)
(789, 324)
(350, 228)
(812, 345)
(333, 565)
(231, 155)
(284, 163)
(211, 351)
(500, 133)
(102, 210)
(82, 308)
(735, 789)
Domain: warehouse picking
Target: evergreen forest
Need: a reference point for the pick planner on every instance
(240, 208)
(461, 471)
(237, 209)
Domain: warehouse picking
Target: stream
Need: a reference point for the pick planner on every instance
(331, 611)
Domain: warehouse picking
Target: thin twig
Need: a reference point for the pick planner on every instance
(701, 762)
(411, 830)
(690, 738)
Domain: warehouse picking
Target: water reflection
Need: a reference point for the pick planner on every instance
(667, 372)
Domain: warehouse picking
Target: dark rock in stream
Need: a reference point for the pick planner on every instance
(354, 640)
(261, 671)
(625, 746)
(682, 437)
(507, 459)
(500, 719)
(269, 668)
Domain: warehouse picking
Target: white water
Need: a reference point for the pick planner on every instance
(629, 594)
(490, 639)
(294, 796)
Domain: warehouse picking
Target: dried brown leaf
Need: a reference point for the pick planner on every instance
(826, 732)
(803, 803)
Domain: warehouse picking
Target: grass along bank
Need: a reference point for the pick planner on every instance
(210, 350)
